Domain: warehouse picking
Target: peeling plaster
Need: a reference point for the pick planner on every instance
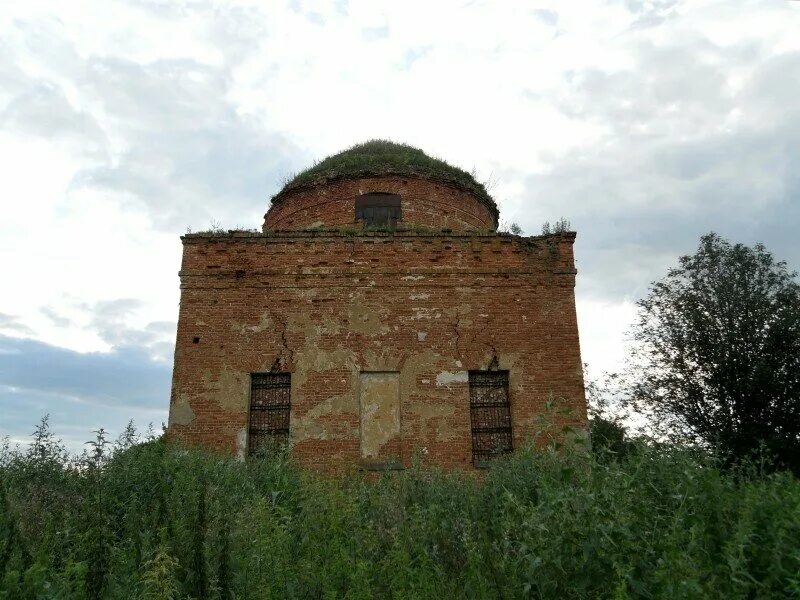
(424, 313)
(310, 329)
(446, 378)
(434, 412)
(181, 412)
(421, 335)
(363, 319)
(379, 399)
(265, 323)
(312, 425)
(315, 360)
(385, 361)
(230, 391)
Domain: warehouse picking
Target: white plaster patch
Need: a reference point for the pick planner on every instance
(423, 313)
(241, 443)
(421, 335)
(419, 296)
(447, 377)
(458, 363)
(181, 412)
(413, 277)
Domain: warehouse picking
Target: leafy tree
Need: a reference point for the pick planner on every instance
(717, 352)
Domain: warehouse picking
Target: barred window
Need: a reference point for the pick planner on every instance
(490, 415)
(378, 209)
(270, 402)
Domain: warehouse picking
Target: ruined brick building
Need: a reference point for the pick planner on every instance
(376, 315)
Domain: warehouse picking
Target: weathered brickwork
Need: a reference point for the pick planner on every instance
(424, 203)
(360, 316)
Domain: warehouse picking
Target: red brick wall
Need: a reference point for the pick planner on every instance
(326, 306)
(424, 203)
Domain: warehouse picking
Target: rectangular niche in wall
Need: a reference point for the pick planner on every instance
(379, 403)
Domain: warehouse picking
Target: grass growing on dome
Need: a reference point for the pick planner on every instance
(382, 157)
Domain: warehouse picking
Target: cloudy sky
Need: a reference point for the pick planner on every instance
(646, 123)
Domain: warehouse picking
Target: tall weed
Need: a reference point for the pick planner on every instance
(137, 519)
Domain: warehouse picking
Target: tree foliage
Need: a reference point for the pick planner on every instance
(717, 354)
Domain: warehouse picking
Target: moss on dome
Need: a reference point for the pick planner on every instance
(377, 158)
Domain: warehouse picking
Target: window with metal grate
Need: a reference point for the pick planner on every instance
(270, 403)
(378, 209)
(490, 415)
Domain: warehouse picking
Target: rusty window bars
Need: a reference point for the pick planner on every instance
(490, 415)
(270, 404)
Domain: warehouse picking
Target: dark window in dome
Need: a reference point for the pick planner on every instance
(378, 209)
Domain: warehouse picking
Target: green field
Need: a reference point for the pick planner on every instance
(146, 521)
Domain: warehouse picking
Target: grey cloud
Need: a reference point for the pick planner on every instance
(44, 111)
(84, 391)
(683, 86)
(550, 17)
(370, 34)
(342, 7)
(299, 7)
(55, 318)
(190, 156)
(412, 55)
(184, 153)
(650, 13)
(125, 377)
(662, 177)
(70, 420)
(776, 84)
(12, 76)
(108, 319)
(11, 323)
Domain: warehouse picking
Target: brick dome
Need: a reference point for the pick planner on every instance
(396, 184)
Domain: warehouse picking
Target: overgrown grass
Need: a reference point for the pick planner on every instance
(382, 157)
(140, 520)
